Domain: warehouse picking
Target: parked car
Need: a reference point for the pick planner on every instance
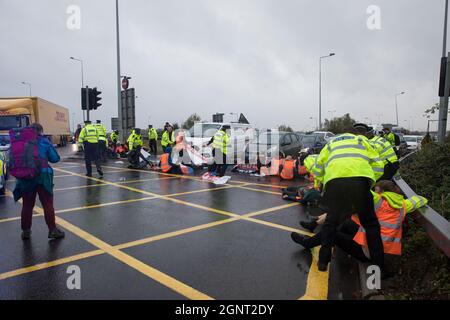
(328, 136)
(289, 144)
(201, 133)
(312, 143)
(413, 142)
(402, 149)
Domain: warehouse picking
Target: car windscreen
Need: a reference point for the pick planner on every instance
(411, 139)
(10, 122)
(309, 140)
(4, 140)
(201, 130)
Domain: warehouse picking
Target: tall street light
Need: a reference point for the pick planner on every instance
(444, 85)
(320, 88)
(396, 104)
(82, 77)
(314, 118)
(119, 91)
(27, 84)
(332, 114)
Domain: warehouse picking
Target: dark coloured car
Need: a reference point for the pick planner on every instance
(287, 143)
(312, 143)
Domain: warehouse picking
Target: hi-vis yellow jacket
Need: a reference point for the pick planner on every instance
(349, 156)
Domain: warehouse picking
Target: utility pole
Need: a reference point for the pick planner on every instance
(445, 83)
(443, 109)
(119, 90)
(320, 87)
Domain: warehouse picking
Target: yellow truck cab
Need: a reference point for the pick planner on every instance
(21, 112)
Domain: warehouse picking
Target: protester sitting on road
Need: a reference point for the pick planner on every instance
(42, 185)
(391, 209)
(287, 168)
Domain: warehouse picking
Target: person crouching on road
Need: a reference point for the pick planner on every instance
(391, 209)
(41, 185)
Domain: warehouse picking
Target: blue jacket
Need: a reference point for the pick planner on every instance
(49, 155)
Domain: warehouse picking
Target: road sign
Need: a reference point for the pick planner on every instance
(115, 124)
(125, 83)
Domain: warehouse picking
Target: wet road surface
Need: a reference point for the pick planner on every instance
(146, 235)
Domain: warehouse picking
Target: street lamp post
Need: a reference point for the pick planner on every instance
(445, 78)
(320, 87)
(119, 91)
(332, 114)
(29, 86)
(396, 105)
(82, 78)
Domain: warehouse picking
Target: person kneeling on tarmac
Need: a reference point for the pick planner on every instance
(135, 144)
(391, 209)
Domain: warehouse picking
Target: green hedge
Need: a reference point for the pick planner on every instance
(424, 271)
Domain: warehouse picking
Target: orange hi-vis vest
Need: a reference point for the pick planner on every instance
(288, 170)
(391, 221)
(164, 163)
(275, 167)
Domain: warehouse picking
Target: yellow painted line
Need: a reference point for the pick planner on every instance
(50, 264)
(259, 190)
(147, 270)
(174, 234)
(104, 205)
(143, 180)
(317, 283)
(63, 175)
(81, 187)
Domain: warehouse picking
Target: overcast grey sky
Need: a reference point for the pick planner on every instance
(259, 57)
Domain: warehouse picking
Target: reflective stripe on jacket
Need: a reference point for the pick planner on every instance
(348, 156)
(385, 149)
(220, 141)
(88, 134)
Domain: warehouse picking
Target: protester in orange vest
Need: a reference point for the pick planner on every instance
(166, 165)
(288, 168)
(391, 209)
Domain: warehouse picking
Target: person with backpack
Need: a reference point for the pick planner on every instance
(31, 153)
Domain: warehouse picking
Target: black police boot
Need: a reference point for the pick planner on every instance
(301, 240)
(309, 225)
(26, 234)
(56, 234)
(322, 266)
(100, 173)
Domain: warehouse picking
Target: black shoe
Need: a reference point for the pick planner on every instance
(89, 175)
(322, 266)
(309, 225)
(301, 240)
(56, 234)
(100, 173)
(26, 235)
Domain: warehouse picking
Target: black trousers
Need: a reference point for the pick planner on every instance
(153, 146)
(220, 163)
(344, 240)
(344, 197)
(91, 155)
(102, 149)
(390, 170)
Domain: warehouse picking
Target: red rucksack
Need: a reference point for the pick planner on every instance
(24, 155)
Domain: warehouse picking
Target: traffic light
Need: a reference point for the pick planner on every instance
(83, 98)
(94, 99)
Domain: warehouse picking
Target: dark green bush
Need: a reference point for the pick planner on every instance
(424, 271)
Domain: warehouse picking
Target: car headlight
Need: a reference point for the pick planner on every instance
(305, 150)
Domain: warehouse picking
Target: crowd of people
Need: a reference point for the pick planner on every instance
(352, 178)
